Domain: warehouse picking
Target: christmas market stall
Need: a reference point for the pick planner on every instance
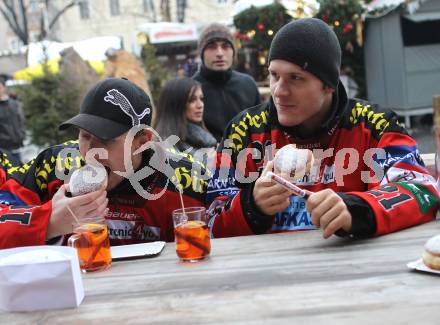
(402, 55)
(172, 42)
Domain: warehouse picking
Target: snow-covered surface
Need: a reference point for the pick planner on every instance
(92, 49)
(242, 5)
(29, 151)
(412, 5)
(377, 4)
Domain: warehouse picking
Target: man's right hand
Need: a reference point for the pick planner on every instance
(61, 218)
(270, 197)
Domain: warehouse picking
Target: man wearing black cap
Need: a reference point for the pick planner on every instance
(141, 192)
(368, 178)
(226, 92)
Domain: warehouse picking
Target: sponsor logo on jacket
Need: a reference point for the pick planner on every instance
(222, 186)
(425, 199)
(405, 154)
(238, 130)
(295, 217)
(328, 175)
(8, 198)
(188, 178)
(120, 229)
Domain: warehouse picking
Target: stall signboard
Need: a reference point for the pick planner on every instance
(165, 32)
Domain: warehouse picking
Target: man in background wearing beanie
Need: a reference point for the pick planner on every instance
(35, 206)
(368, 178)
(226, 92)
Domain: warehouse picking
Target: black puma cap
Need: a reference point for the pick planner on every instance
(112, 107)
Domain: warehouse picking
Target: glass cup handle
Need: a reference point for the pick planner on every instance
(72, 239)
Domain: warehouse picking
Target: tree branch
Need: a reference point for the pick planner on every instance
(8, 14)
(25, 23)
(11, 17)
(10, 6)
(19, 25)
(61, 12)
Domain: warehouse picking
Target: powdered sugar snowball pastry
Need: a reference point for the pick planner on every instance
(88, 179)
(431, 254)
(292, 162)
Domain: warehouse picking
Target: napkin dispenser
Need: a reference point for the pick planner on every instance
(39, 278)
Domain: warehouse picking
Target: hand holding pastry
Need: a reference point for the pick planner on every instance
(66, 210)
(87, 186)
(269, 196)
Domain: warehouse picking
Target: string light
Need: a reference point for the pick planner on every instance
(337, 23)
(251, 33)
(270, 32)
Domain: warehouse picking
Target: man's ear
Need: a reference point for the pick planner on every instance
(328, 89)
(148, 134)
(142, 138)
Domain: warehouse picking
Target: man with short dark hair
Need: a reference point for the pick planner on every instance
(226, 92)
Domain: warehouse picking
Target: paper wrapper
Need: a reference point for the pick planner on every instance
(133, 251)
(420, 266)
(39, 278)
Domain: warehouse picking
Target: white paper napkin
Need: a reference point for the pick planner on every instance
(40, 277)
(420, 266)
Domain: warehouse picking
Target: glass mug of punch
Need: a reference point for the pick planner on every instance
(191, 234)
(91, 241)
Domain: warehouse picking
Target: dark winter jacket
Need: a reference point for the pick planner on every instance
(226, 94)
(198, 137)
(11, 125)
(361, 152)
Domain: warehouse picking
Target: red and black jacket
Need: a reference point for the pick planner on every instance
(385, 190)
(26, 192)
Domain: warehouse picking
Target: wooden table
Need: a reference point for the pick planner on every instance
(289, 278)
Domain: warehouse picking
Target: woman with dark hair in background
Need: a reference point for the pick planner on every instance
(180, 113)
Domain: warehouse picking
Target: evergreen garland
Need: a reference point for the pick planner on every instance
(344, 16)
(257, 26)
(46, 105)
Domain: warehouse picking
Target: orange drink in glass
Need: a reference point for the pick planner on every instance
(191, 234)
(92, 244)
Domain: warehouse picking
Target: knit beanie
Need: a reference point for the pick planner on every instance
(212, 33)
(311, 44)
